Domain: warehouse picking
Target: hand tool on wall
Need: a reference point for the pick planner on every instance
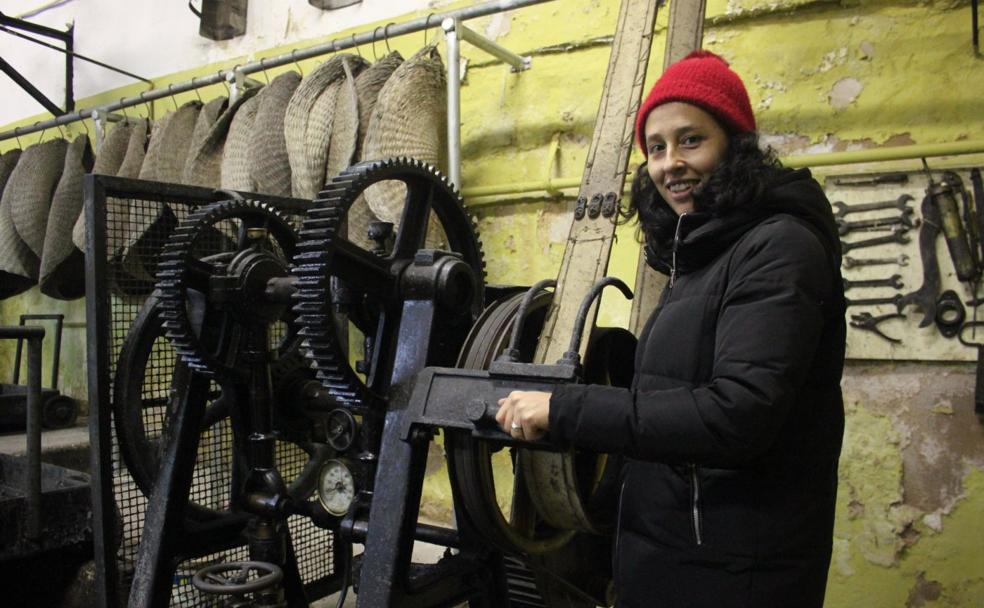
(893, 281)
(903, 221)
(978, 186)
(849, 262)
(944, 197)
(898, 236)
(979, 383)
(901, 203)
(867, 322)
(925, 297)
(969, 217)
(885, 178)
(895, 300)
(950, 313)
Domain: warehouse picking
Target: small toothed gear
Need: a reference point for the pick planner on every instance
(182, 270)
(324, 253)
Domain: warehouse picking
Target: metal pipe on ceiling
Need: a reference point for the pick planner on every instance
(408, 27)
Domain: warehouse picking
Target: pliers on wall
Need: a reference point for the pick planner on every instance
(868, 322)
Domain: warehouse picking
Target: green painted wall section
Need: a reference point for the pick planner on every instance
(823, 75)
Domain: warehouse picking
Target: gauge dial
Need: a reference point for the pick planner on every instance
(336, 487)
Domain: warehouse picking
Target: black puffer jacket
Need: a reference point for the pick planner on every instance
(733, 427)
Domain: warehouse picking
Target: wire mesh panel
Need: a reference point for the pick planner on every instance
(143, 374)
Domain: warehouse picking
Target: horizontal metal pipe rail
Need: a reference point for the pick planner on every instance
(379, 33)
(913, 152)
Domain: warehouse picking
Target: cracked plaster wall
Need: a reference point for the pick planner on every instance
(823, 75)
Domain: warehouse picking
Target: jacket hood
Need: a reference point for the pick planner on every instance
(702, 237)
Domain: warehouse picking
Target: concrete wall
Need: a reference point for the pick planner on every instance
(823, 75)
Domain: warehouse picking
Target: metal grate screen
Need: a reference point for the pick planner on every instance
(139, 217)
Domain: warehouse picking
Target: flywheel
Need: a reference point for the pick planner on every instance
(473, 462)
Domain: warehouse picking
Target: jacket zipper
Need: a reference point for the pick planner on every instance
(676, 242)
(618, 532)
(695, 503)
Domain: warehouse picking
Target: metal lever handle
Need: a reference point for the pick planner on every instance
(512, 353)
(572, 356)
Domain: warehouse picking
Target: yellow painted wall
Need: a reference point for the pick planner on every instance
(823, 75)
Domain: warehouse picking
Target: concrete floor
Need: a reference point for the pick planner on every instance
(422, 553)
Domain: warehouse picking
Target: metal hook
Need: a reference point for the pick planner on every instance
(263, 69)
(224, 83)
(298, 65)
(17, 137)
(427, 26)
(62, 130)
(86, 128)
(197, 92)
(40, 137)
(149, 104)
(126, 117)
(375, 57)
(354, 45)
(173, 100)
(386, 37)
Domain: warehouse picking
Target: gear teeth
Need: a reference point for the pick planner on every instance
(173, 267)
(314, 254)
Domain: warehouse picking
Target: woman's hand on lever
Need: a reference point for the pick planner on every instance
(524, 414)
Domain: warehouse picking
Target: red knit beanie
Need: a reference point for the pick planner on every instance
(704, 80)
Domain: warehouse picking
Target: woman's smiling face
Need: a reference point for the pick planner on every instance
(684, 145)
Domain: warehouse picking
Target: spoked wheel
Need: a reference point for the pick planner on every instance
(340, 282)
(212, 293)
(237, 578)
(151, 379)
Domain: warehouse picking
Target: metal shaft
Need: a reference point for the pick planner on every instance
(454, 102)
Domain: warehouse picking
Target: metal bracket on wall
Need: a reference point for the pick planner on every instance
(99, 120)
(9, 24)
(238, 83)
(453, 32)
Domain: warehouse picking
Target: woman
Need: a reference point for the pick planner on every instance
(733, 426)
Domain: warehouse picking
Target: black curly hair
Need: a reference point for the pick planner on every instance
(738, 182)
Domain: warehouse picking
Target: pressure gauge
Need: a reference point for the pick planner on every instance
(336, 487)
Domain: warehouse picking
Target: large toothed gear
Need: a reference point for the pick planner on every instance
(326, 259)
(202, 251)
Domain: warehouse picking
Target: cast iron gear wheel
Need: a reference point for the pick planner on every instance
(146, 392)
(183, 277)
(324, 254)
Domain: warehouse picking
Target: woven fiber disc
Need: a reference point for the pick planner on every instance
(62, 273)
(268, 162)
(204, 166)
(108, 161)
(15, 256)
(368, 84)
(30, 187)
(311, 110)
(235, 155)
(409, 120)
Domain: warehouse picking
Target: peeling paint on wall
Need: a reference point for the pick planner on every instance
(844, 92)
